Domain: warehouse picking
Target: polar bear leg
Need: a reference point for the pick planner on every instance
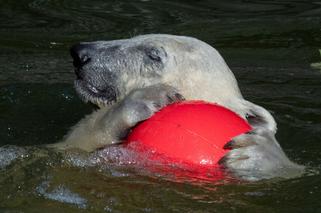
(257, 154)
(110, 127)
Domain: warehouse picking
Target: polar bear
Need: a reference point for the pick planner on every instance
(130, 79)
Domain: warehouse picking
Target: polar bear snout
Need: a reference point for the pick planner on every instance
(80, 54)
(95, 81)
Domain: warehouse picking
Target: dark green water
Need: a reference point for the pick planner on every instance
(268, 44)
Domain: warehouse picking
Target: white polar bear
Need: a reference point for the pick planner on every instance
(131, 79)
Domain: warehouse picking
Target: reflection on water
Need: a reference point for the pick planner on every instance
(268, 44)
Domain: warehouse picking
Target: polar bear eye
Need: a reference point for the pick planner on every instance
(154, 54)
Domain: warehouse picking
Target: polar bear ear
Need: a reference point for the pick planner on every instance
(258, 117)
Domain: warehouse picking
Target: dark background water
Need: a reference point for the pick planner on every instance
(269, 45)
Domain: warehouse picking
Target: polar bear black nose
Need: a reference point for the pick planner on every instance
(80, 54)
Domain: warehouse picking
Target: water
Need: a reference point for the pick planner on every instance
(268, 44)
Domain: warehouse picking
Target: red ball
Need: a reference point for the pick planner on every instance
(189, 132)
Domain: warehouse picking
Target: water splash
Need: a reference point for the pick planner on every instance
(8, 154)
(61, 194)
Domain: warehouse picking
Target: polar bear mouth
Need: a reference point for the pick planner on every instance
(95, 95)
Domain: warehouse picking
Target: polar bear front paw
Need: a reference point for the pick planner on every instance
(142, 103)
(257, 155)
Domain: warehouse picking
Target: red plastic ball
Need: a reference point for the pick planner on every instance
(189, 132)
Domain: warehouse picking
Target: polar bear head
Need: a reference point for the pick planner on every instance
(108, 70)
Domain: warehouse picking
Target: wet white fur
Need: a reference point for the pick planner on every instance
(198, 72)
(196, 69)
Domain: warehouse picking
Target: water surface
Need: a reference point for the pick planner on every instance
(268, 44)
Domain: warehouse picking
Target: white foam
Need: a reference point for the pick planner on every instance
(10, 153)
(114, 155)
